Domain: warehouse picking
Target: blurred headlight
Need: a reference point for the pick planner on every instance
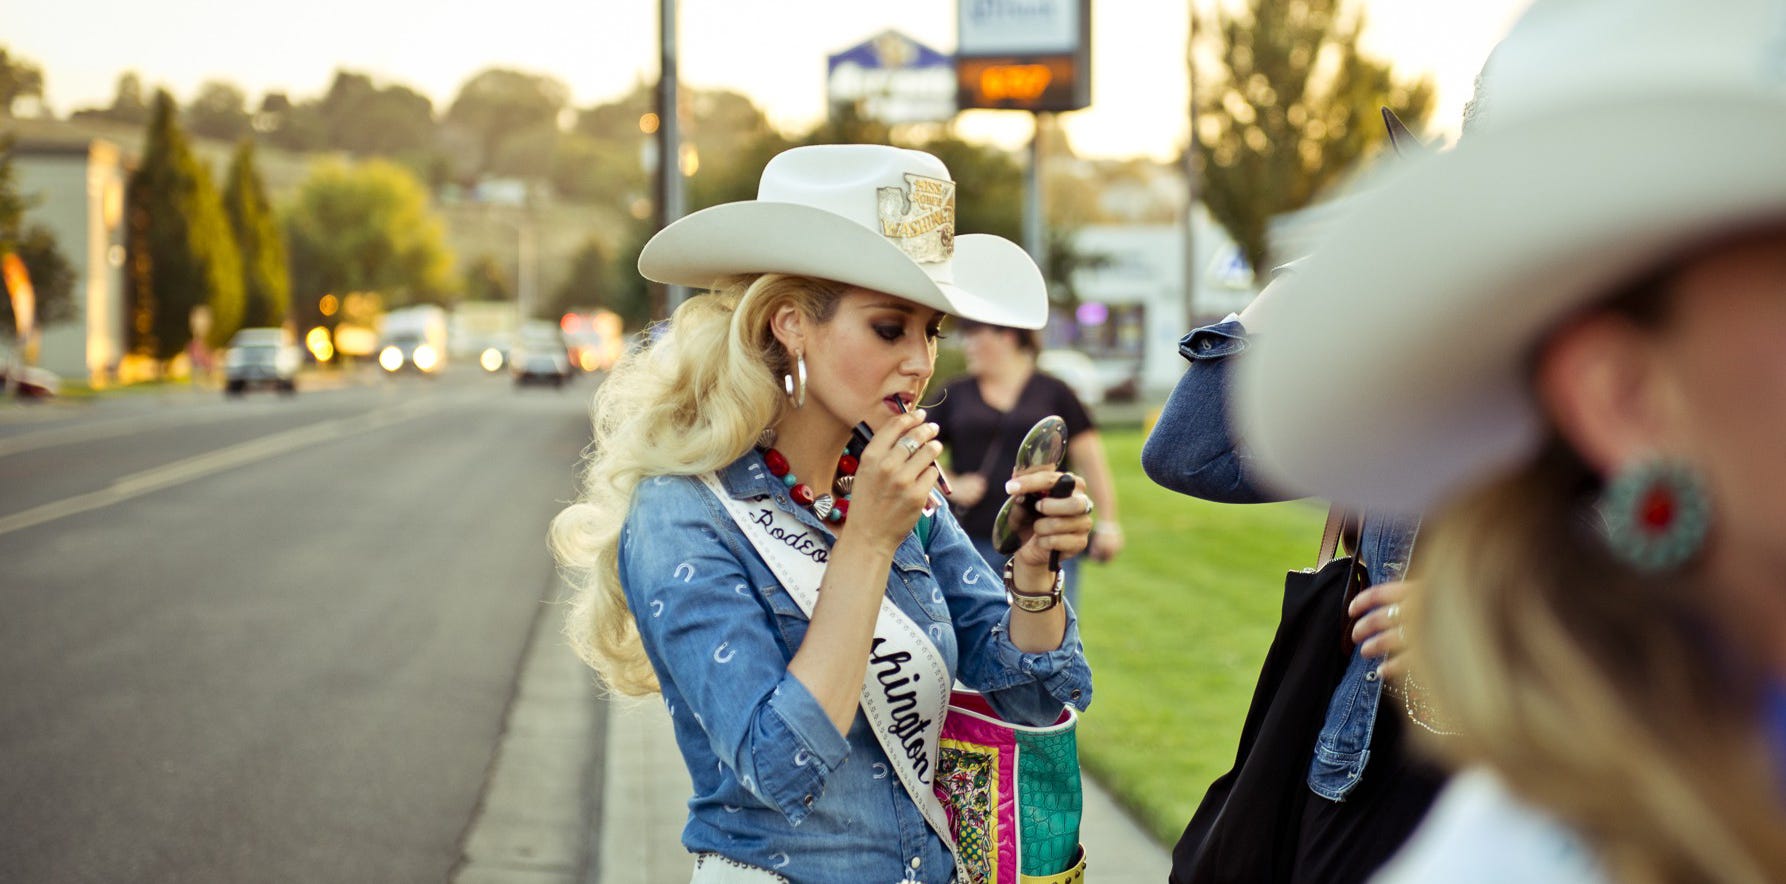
(424, 358)
(391, 358)
(491, 359)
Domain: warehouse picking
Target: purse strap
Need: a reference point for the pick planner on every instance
(1337, 520)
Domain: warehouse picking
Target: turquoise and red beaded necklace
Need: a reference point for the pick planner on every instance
(829, 508)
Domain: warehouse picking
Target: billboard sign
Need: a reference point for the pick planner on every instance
(1019, 27)
(894, 79)
(1030, 55)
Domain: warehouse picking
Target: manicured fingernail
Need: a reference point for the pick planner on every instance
(1012, 486)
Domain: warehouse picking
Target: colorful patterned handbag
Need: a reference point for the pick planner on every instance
(1012, 794)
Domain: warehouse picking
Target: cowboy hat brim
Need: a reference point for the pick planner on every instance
(993, 280)
(1395, 371)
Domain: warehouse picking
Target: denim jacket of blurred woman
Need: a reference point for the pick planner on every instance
(775, 785)
(1192, 451)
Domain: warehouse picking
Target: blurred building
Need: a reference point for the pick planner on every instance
(1132, 308)
(77, 186)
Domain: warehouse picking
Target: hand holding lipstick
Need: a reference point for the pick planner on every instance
(864, 434)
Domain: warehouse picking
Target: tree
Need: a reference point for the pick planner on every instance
(18, 79)
(128, 104)
(627, 292)
(595, 170)
(365, 228)
(294, 127)
(990, 198)
(589, 283)
(487, 280)
(1292, 106)
(364, 118)
(52, 277)
(181, 254)
(497, 103)
(219, 111)
(266, 277)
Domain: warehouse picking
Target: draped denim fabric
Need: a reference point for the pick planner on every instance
(1776, 728)
(1192, 451)
(775, 785)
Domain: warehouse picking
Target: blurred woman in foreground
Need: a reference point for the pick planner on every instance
(1576, 327)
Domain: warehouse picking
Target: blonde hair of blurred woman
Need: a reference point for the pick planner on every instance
(693, 401)
(1614, 700)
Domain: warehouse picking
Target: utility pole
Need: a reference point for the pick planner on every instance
(1034, 232)
(526, 279)
(668, 205)
(1190, 177)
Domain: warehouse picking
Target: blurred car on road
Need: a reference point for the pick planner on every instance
(540, 356)
(493, 356)
(541, 365)
(261, 357)
(413, 338)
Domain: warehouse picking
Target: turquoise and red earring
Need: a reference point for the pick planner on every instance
(1654, 515)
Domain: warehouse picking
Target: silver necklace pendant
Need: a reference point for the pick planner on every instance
(845, 484)
(821, 506)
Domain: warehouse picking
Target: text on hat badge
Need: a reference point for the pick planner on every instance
(920, 217)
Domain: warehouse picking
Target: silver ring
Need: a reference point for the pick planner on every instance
(1089, 506)
(1393, 613)
(910, 445)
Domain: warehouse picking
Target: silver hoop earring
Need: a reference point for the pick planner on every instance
(795, 384)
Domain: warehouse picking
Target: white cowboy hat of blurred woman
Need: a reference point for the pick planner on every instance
(1394, 370)
(868, 215)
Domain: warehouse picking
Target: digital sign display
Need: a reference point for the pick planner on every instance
(1032, 55)
(1045, 83)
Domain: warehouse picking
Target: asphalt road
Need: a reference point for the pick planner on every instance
(269, 639)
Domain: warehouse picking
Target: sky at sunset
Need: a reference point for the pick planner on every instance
(772, 50)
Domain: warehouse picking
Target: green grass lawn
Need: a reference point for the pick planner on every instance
(1175, 629)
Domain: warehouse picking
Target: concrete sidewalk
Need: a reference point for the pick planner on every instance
(645, 802)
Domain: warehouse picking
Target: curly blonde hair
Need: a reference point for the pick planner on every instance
(692, 401)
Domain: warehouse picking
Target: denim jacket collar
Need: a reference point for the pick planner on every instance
(748, 477)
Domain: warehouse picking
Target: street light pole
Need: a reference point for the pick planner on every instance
(526, 280)
(1034, 230)
(1190, 176)
(668, 205)
(526, 261)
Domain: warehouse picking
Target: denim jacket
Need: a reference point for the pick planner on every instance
(775, 785)
(1192, 450)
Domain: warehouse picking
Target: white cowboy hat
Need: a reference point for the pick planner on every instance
(1612, 135)
(868, 215)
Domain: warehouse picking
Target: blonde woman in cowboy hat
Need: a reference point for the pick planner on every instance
(724, 474)
(1566, 340)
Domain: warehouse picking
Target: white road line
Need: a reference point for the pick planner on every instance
(211, 462)
(105, 429)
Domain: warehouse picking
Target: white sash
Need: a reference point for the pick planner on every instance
(906, 691)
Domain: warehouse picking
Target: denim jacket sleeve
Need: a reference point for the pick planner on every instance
(1192, 449)
(707, 631)
(1025, 688)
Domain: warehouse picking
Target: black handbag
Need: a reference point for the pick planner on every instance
(1247, 826)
